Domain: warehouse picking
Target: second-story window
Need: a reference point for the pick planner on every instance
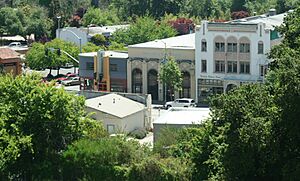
(203, 46)
(244, 48)
(231, 47)
(90, 65)
(260, 48)
(219, 47)
(203, 66)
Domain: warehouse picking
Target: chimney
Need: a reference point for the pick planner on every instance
(272, 12)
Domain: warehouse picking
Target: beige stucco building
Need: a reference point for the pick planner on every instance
(145, 60)
(117, 113)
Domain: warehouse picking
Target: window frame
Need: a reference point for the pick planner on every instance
(219, 46)
(221, 66)
(204, 68)
(232, 47)
(203, 46)
(232, 67)
(244, 48)
(260, 48)
(245, 66)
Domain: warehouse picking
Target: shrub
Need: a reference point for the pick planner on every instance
(138, 133)
(155, 168)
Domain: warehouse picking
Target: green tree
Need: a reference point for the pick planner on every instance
(37, 121)
(91, 47)
(12, 21)
(98, 39)
(37, 59)
(156, 168)
(38, 22)
(143, 30)
(100, 17)
(284, 82)
(101, 159)
(171, 76)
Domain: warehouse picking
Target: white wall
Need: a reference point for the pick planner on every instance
(230, 31)
(125, 124)
(67, 35)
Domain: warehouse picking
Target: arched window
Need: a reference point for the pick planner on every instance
(231, 44)
(244, 45)
(153, 84)
(219, 44)
(186, 85)
(137, 81)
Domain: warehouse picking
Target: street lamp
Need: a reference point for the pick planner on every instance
(164, 62)
(79, 42)
(58, 25)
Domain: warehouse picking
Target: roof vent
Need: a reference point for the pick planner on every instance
(272, 12)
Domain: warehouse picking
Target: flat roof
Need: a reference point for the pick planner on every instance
(177, 42)
(270, 21)
(114, 104)
(111, 54)
(183, 116)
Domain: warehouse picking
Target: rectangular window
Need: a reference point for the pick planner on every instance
(203, 66)
(263, 70)
(90, 65)
(113, 67)
(260, 48)
(231, 47)
(232, 67)
(203, 46)
(219, 66)
(219, 47)
(244, 48)
(244, 67)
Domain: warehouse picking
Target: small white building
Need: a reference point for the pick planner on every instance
(117, 113)
(232, 53)
(83, 35)
(179, 118)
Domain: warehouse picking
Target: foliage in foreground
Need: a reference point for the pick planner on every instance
(37, 122)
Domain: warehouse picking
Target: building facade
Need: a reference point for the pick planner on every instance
(113, 70)
(233, 53)
(146, 59)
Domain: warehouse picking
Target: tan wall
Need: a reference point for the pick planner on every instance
(184, 54)
(126, 124)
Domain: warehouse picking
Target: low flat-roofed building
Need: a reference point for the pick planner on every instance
(117, 113)
(179, 118)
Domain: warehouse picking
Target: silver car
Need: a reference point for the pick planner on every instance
(183, 102)
(71, 81)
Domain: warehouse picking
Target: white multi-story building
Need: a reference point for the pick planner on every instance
(232, 53)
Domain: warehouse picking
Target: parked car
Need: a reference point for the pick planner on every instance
(183, 102)
(15, 44)
(71, 81)
(66, 77)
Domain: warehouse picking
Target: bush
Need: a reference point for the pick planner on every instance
(101, 159)
(138, 133)
(154, 168)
